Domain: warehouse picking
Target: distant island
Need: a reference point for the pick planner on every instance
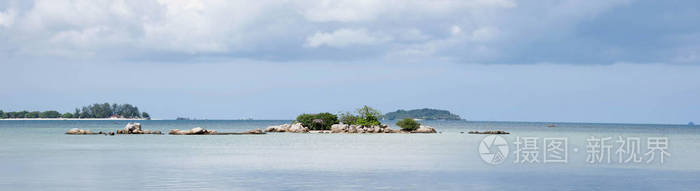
(94, 111)
(425, 113)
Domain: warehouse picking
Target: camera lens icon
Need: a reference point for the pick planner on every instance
(493, 149)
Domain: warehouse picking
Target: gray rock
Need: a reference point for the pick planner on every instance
(488, 132)
(198, 130)
(278, 128)
(73, 131)
(133, 127)
(424, 129)
(256, 131)
(76, 131)
(193, 131)
(298, 128)
(339, 128)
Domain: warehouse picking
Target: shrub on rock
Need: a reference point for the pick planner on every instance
(408, 124)
(320, 121)
(348, 118)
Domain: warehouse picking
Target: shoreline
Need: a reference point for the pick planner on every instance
(76, 119)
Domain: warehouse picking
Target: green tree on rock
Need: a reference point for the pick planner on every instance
(408, 124)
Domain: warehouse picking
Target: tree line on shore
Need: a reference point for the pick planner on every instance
(97, 110)
(425, 113)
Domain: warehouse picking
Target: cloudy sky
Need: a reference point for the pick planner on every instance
(530, 60)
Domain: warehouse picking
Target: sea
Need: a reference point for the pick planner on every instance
(37, 155)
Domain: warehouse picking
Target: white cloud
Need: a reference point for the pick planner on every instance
(341, 10)
(371, 10)
(412, 35)
(474, 30)
(344, 37)
(499, 3)
(485, 34)
(7, 18)
(455, 30)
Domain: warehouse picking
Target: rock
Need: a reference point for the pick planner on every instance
(193, 131)
(202, 131)
(298, 128)
(73, 131)
(256, 131)
(390, 130)
(339, 128)
(198, 130)
(180, 132)
(286, 126)
(249, 132)
(424, 129)
(133, 127)
(345, 128)
(175, 132)
(489, 132)
(271, 129)
(278, 128)
(76, 131)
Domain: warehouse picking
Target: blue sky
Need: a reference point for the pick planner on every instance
(591, 61)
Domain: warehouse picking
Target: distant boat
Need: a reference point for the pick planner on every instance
(691, 123)
(551, 125)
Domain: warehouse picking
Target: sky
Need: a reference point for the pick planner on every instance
(620, 61)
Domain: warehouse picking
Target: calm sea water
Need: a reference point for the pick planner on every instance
(36, 155)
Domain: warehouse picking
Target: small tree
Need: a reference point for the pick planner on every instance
(368, 116)
(33, 114)
(320, 121)
(348, 118)
(368, 112)
(408, 124)
(21, 114)
(145, 115)
(67, 115)
(49, 114)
